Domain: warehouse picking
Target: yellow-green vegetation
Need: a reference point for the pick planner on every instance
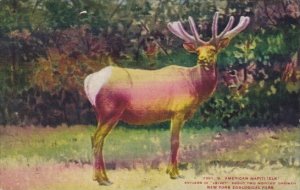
(276, 150)
(282, 147)
(33, 144)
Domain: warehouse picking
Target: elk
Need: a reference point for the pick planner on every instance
(172, 93)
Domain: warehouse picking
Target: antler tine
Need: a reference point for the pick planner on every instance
(214, 27)
(243, 23)
(227, 32)
(227, 28)
(195, 33)
(177, 29)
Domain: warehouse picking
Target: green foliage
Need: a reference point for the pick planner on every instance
(61, 14)
(14, 15)
(240, 51)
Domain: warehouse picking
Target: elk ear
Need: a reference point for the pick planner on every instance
(223, 43)
(190, 47)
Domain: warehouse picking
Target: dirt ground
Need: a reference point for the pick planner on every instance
(62, 177)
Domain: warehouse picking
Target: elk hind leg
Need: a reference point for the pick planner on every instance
(97, 144)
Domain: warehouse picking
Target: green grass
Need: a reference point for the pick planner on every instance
(45, 144)
(64, 144)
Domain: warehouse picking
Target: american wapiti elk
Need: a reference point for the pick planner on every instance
(143, 97)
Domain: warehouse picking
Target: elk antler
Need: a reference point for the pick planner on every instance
(177, 29)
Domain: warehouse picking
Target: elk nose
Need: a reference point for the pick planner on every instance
(202, 59)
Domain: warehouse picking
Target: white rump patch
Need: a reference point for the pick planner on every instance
(94, 82)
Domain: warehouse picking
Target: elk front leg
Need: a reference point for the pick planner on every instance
(176, 124)
(97, 145)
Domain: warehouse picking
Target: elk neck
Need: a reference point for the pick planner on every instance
(204, 79)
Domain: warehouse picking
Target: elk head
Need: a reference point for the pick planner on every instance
(207, 50)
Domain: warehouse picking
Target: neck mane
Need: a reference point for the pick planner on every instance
(204, 79)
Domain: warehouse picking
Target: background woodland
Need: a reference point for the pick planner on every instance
(47, 47)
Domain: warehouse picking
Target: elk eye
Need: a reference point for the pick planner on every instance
(213, 51)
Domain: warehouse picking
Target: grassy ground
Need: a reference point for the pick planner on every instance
(59, 158)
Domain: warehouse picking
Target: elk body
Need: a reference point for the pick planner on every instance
(143, 97)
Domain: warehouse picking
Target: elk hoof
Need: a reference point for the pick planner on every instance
(173, 172)
(177, 176)
(102, 179)
(104, 182)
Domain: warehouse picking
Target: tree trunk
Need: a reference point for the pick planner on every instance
(13, 64)
(298, 58)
